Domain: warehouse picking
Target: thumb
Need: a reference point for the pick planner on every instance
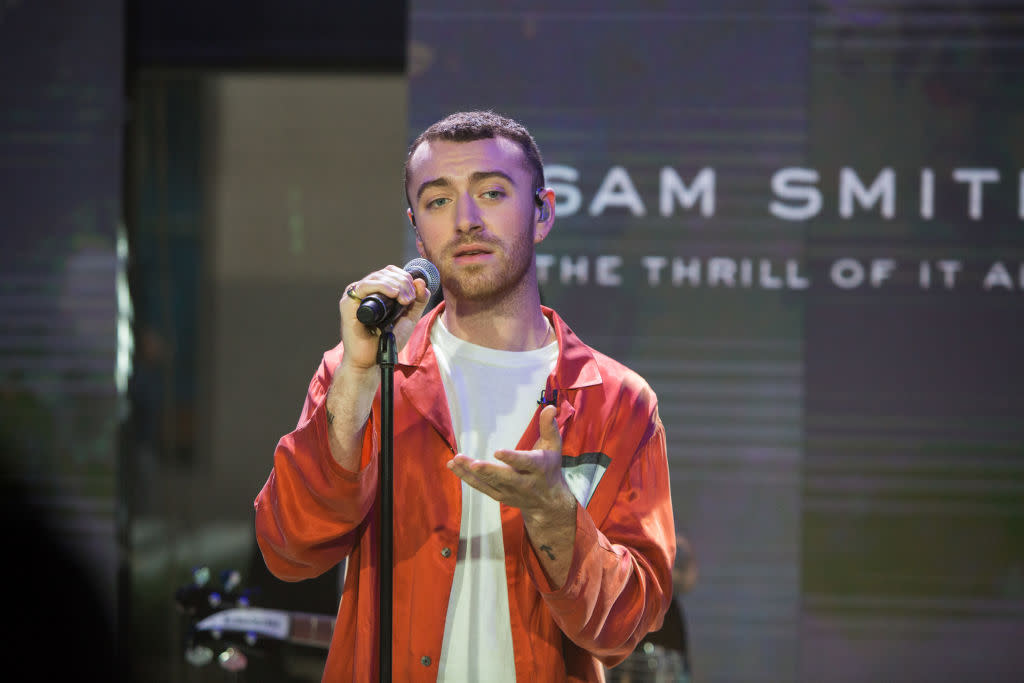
(404, 327)
(422, 299)
(550, 439)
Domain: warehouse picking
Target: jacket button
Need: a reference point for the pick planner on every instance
(425, 660)
(446, 552)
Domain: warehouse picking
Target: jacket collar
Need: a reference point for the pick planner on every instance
(575, 368)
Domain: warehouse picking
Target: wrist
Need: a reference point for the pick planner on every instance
(558, 511)
(356, 375)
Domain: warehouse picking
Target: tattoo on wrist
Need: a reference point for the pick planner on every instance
(547, 551)
(330, 417)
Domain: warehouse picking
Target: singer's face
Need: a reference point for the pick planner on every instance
(475, 216)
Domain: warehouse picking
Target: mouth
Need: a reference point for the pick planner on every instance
(471, 252)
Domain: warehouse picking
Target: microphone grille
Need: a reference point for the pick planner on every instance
(421, 267)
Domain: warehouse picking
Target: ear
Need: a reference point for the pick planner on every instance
(544, 214)
(412, 222)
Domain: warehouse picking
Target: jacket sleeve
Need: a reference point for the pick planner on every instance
(310, 510)
(620, 580)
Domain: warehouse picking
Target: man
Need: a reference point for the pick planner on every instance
(531, 542)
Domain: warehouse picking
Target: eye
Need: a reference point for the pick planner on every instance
(493, 194)
(437, 203)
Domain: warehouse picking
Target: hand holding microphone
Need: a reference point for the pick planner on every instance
(381, 312)
(387, 297)
(395, 298)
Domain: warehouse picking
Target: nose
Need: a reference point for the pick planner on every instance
(467, 215)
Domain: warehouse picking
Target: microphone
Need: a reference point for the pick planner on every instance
(377, 310)
(548, 397)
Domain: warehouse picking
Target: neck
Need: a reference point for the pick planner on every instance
(518, 326)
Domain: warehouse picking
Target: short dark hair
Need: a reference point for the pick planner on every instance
(467, 126)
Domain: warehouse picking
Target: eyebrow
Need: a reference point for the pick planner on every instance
(474, 178)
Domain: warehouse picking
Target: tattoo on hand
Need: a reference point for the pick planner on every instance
(330, 417)
(547, 551)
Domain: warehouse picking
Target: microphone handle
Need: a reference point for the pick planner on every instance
(382, 312)
(379, 311)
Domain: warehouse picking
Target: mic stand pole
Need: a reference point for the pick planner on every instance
(386, 358)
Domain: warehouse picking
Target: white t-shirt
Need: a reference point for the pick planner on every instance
(492, 396)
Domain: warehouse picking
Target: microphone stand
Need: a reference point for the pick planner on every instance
(387, 356)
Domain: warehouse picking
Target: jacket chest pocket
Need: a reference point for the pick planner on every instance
(583, 473)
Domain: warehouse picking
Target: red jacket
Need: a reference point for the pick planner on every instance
(312, 513)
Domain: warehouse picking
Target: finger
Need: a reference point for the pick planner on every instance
(476, 475)
(395, 283)
(523, 462)
(409, 290)
(347, 304)
(352, 297)
(550, 439)
(407, 321)
(422, 299)
(390, 281)
(416, 306)
(490, 472)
